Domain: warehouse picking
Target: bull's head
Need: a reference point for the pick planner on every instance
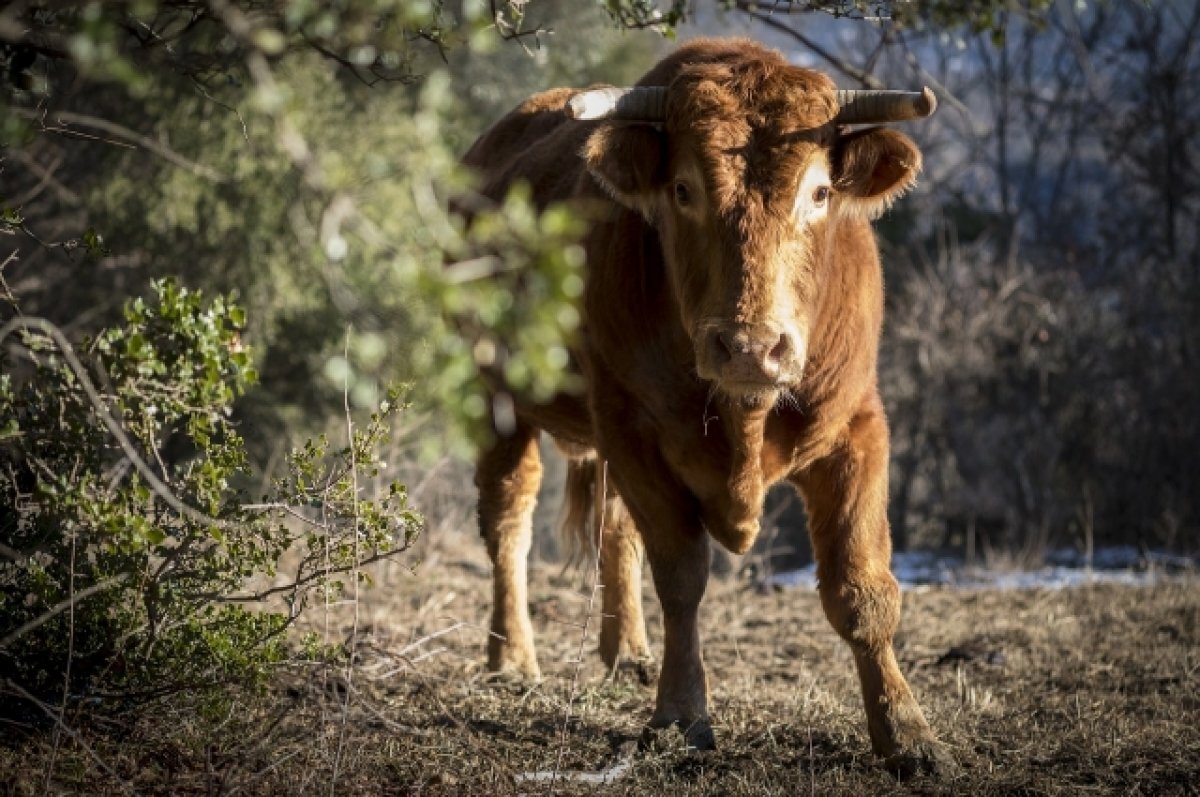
(746, 169)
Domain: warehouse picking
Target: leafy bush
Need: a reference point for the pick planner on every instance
(131, 562)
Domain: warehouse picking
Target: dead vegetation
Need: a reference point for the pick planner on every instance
(1091, 690)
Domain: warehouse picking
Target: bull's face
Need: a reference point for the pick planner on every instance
(747, 181)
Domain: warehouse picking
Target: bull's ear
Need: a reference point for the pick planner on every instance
(627, 159)
(872, 168)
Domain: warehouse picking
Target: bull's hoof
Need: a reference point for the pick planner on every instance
(627, 669)
(503, 669)
(511, 681)
(506, 661)
(697, 735)
(924, 757)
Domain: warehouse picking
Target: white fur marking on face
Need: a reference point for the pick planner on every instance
(807, 209)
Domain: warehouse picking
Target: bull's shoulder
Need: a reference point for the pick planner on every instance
(536, 143)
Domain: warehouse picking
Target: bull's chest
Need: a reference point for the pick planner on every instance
(705, 458)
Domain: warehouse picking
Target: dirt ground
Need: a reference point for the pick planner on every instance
(1093, 690)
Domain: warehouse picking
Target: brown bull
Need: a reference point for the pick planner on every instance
(731, 322)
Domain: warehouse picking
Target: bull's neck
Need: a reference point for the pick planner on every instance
(845, 331)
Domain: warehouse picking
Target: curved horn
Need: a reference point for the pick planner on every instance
(873, 107)
(640, 103)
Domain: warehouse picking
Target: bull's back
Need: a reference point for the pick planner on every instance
(536, 143)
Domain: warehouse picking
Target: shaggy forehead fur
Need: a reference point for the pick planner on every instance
(754, 122)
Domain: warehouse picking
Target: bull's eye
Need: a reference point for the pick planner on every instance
(682, 195)
(821, 196)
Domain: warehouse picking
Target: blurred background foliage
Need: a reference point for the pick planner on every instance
(1043, 299)
(300, 154)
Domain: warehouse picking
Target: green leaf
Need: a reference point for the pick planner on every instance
(135, 345)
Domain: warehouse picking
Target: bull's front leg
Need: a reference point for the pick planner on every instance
(508, 475)
(677, 548)
(846, 497)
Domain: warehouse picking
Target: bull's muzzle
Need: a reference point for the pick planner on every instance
(749, 357)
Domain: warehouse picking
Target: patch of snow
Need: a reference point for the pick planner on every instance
(804, 577)
(1064, 568)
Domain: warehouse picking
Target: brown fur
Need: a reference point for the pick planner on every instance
(726, 346)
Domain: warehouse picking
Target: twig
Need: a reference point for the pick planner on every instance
(328, 570)
(477, 268)
(838, 9)
(944, 94)
(6, 292)
(511, 31)
(204, 93)
(600, 507)
(842, 65)
(605, 777)
(354, 571)
(12, 553)
(45, 175)
(430, 637)
(121, 132)
(62, 707)
(287, 509)
(16, 688)
(60, 607)
(391, 723)
(381, 74)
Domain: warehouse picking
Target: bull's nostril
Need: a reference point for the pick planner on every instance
(780, 350)
(722, 348)
(732, 344)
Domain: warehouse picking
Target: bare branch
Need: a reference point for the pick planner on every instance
(511, 31)
(380, 75)
(301, 581)
(46, 179)
(63, 118)
(61, 607)
(600, 508)
(287, 509)
(750, 8)
(22, 692)
(944, 94)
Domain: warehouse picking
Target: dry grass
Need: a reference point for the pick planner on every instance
(1087, 691)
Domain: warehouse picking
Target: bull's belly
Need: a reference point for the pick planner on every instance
(566, 419)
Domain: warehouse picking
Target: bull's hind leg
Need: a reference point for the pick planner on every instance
(508, 475)
(622, 628)
(846, 497)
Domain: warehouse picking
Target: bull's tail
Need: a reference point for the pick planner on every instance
(578, 513)
(579, 517)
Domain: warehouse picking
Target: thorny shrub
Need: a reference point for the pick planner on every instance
(106, 579)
